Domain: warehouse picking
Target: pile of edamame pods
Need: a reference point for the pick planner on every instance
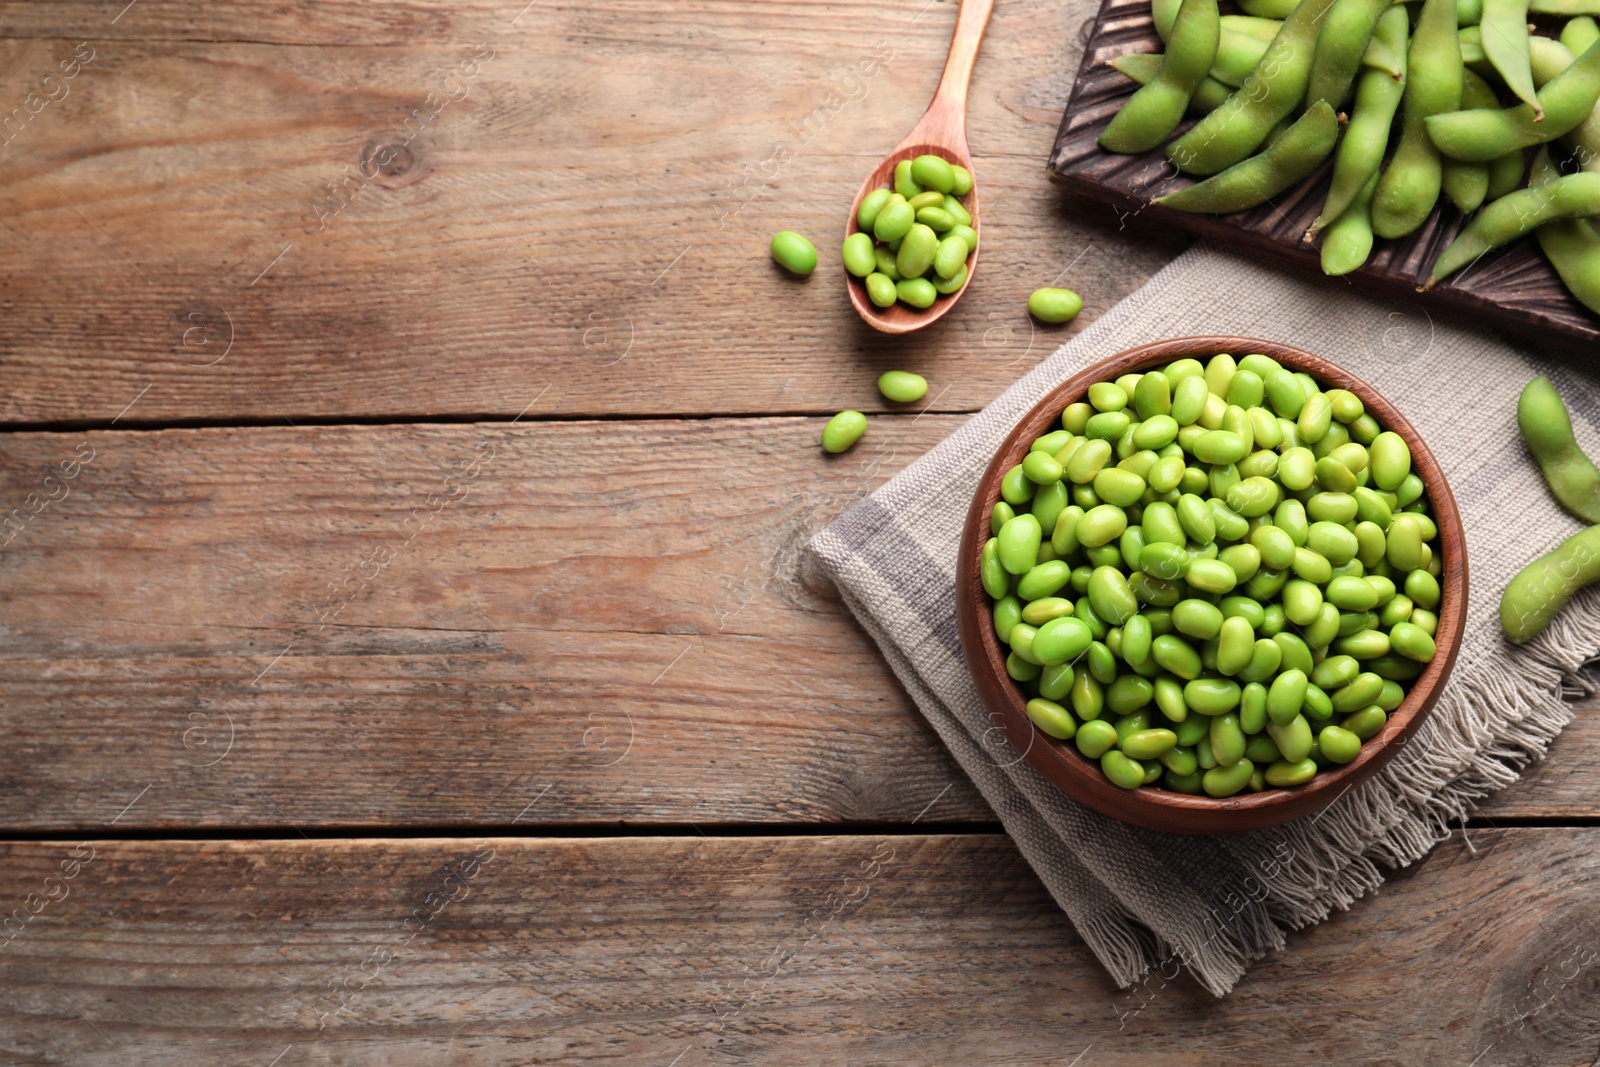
(1542, 588)
(1217, 577)
(1461, 88)
(914, 239)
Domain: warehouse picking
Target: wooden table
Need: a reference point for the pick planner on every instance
(408, 652)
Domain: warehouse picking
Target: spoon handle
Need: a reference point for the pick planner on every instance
(948, 110)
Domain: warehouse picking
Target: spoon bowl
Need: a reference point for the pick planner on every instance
(942, 131)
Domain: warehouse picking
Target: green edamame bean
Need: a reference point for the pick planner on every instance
(1262, 463)
(1405, 545)
(918, 292)
(1054, 305)
(938, 220)
(1118, 487)
(1040, 611)
(1101, 525)
(1423, 588)
(904, 184)
(1366, 723)
(1222, 781)
(1108, 425)
(1283, 163)
(1044, 579)
(1055, 682)
(1149, 744)
(793, 252)
(1041, 468)
(1285, 773)
(1271, 91)
(1197, 619)
(881, 289)
(1409, 187)
(902, 386)
(933, 172)
(928, 198)
(1481, 135)
(996, 579)
(1087, 460)
(1286, 696)
(1051, 718)
(1136, 638)
(1273, 621)
(894, 221)
(1175, 655)
(1243, 560)
(1158, 431)
(1113, 600)
(1356, 694)
(1064, 536)
(916, 251)
(1338, 744)
(1236, 643)
(1367, 644)
(999, 515)
(1324, 628)
(1188, 399)
(1394, 668)
(1020, 669)
(1412, 641)
(1261, 749)
(843, 430)
(1151, 114)
(859, 258)
(950, 257)
(1292, 738)
(952, 284)
(1211, 696)
(1227, 740)
(1253, 496)
(1211, 576)
(1196, 518)
(1019, 544)
(1061, 640)
(1007, 613)
(1547, 429)
(1391, 696)
(1275, 545)
(1302, 601)
(1121, 770)
(1097, 737)
(1088, 700)
(1335, 671)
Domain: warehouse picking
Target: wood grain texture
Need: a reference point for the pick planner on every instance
(1154, 807)
(1514, 287)
(842, 950)
(594, 582)
(431, 624)
(593, 215)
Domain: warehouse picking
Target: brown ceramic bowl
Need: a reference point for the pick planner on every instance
(1152, 806)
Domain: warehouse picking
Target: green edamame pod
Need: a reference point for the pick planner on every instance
(1572, 246)
(1142, 67)
(1519, 213)
(1542, 588)
(1346, 32)
(1482, 134)
(1230, 134)
(1348, 242)
(1257, 179)
(1547, 428)
(1505, 44)
(1409, 188)
(1467, 184)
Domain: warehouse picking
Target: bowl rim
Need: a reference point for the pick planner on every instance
(1161, 809)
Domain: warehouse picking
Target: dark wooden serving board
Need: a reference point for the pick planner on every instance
(1514, 288)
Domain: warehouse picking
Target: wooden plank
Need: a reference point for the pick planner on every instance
(591, 216)
(618, 611)
(842, 950)
(430, 625)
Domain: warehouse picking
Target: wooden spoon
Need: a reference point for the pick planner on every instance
(942, 131)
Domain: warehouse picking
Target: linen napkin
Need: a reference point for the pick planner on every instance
(1142, 898)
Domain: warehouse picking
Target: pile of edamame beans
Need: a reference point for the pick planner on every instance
(1459, 88)
(1214, 577)
(915, 239)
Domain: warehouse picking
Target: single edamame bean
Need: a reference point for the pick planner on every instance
(918, 292)
(1061, 640)
(950, 258)
(894, 221)
(1222, 781)
(843, 430)
(933, 172)
(793, 253)
(1054, 305)
(1019, 542)
(859, 257)
(1285, 773)
(881, 289)
(1121, 770)
(901, 386)
(1097, 737)
(1051, 718)
(1412, 641)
